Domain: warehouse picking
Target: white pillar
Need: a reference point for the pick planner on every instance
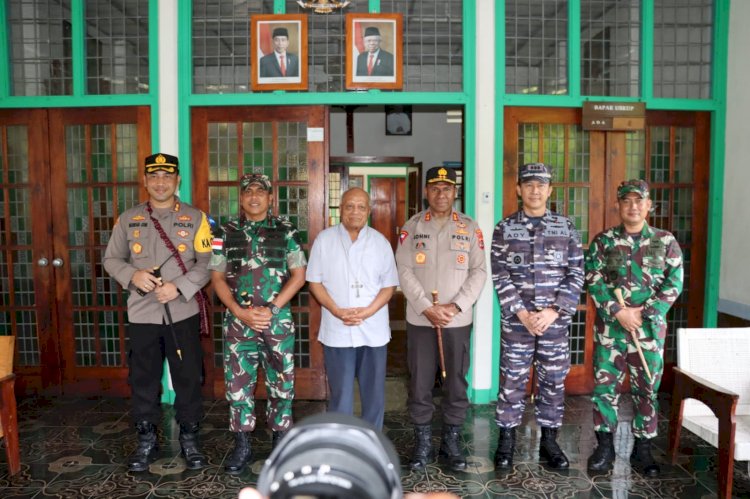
(168, 85)
(485, 194)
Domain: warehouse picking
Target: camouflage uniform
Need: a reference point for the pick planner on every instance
(648, 269)
(256, 257)
(533, 269)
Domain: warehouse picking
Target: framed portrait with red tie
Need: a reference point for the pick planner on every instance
(374, 55)
(278, 52)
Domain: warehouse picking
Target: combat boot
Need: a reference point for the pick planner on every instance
(641, 459)
(276, 437)
(422, 454)
(194, 458)
(506, 446)
(241, 455)
(604, 456)
(145, 453)
(450, 449)
(549, 450)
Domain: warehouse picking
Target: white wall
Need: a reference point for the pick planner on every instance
(734, 289)
(432, 140)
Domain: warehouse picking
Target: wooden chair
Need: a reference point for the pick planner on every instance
(9, 420)
(713, 371)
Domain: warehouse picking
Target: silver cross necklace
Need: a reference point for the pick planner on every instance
(357, 285)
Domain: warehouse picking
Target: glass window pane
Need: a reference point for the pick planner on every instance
(117, 47)
(683, 30)
(536, 46)
(610, 47)
(432, 44)
(40, 47)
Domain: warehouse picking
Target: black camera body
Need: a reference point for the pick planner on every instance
(331, 456)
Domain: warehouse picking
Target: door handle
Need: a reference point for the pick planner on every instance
(57, 262)
(42, 262)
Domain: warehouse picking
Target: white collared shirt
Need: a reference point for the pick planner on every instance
(338, 263)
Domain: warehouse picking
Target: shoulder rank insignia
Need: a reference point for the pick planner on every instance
(480, 238)
(402, 236)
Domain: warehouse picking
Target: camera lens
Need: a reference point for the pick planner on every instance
(332, 455)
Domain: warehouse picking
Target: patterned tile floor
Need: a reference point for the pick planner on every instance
(77, 447)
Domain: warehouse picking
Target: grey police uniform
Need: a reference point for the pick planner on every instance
(135, 245)
(448, 258)
(534, 268)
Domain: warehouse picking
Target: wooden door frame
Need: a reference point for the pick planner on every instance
(609, 148)
(47, 376)
(79, 379)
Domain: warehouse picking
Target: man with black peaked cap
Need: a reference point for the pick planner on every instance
(374, 61)
(439, 250)
(279, 63)
(159, 251)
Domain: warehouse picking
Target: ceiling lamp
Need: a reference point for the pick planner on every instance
(324, 6)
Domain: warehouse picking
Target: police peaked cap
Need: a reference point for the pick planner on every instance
(440, 174)
(162, 162)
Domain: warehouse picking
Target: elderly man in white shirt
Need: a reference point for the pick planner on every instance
(352, 273)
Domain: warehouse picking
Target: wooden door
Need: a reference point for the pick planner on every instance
(388, 206)
(671, 153)
(229, 142)
(67, 174)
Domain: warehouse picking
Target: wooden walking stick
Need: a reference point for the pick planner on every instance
(634, 335)
(439, 331)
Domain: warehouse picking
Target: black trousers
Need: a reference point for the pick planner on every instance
(149, 343)
(424, 361)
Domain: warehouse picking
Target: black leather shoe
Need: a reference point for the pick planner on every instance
(422, 454)
(450, 448)
(147, 449)
(506, 446)
(603, 457)
(194, 458)
(642, 460)
(241, 455)
(549, 450)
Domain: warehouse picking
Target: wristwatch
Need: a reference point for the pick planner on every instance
(273, 308)
(457, 307)
(557, 309)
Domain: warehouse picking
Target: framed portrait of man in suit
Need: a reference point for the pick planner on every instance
(374, 55)
(278, 52)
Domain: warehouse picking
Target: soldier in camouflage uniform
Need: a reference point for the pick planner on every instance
(258, 265)
(537, 270)
(646, 265)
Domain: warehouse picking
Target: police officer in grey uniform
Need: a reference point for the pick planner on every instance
(439, 249)
(537, 270)
(164, 312)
